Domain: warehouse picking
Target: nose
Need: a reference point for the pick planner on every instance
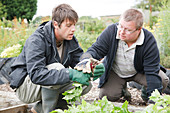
(122, 30)
(73, 28)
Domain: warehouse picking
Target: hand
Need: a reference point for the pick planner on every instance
(84, 66)
(87, 65)
(98, 71)
(79, 76)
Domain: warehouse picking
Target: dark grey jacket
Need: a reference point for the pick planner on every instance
(146, 60)
(38, 52)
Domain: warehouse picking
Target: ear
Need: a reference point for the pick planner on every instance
(55, 25)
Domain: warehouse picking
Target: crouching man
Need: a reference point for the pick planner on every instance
(41, 72)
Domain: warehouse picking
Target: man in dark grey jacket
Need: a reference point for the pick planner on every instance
(42, 71)
(130, 53)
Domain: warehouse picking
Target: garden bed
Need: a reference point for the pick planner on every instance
(8, 97)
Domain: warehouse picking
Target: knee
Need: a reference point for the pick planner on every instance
(111, 98)
(57, 66)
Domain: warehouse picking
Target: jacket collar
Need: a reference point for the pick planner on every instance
(48, 30)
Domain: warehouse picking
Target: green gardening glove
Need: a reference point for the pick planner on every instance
(98, 71)
(79, 76)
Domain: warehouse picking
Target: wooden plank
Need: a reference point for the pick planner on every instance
(15, 109)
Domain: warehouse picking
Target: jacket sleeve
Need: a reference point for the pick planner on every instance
(36, 64)
(151, 65)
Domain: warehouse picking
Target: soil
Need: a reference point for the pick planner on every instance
(5, 87)
(8, 97)
(135, 93)
(91, 96)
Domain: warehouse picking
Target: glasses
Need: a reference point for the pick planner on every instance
(127, 31)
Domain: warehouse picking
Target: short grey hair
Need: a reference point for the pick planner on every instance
(133, 15)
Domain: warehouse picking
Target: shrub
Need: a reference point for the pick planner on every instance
(162, 33)
(17, 34)
(85, 39)
(88, 29)
(13, 51)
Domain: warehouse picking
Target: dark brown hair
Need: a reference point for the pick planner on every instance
(62, 12)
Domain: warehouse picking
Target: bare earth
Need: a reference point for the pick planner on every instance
(136, 98)
(8, 97)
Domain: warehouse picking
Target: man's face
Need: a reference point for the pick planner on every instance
(127, 31)
(65, 31)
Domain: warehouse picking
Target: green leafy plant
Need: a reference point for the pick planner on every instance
(100, 106)
(74, 94)
(162, 104)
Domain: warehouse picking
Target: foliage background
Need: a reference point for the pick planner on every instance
(24, 9)
(161, 31)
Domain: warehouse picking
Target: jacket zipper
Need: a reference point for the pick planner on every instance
(55, 54)
(68, 55)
